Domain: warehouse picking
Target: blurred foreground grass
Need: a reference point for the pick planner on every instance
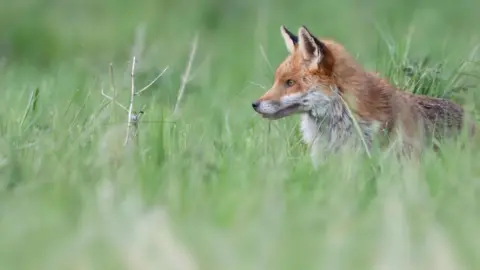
(220, 188)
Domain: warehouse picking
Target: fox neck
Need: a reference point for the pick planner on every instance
(327, 130)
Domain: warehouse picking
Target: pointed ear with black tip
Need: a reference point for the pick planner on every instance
(309, 46)
(290, 39)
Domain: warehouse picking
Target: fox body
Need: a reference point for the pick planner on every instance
(342, 104)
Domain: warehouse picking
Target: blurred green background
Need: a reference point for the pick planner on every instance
(44, 33)
(235, 191)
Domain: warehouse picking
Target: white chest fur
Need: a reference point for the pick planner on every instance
(329, 134)
(309, 128)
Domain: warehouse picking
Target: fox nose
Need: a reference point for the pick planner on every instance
(255, 104)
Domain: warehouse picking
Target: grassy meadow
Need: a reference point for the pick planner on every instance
(210, 184)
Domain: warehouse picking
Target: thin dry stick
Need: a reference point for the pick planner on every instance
(133, 117)
(137, 93)
(112, 99)
(114, 89)
(186, 75)
(151, 83)
(131, 121)
(257, 84)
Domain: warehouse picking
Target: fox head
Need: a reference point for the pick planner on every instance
(305, 81)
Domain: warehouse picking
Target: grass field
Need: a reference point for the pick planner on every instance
(214, 186)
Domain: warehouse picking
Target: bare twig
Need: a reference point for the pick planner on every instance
(257, 84)
(114, 89)
(133, 116)
(151, 83)
(112, 99)
(131, 121)
(186, 75)
(112, 79)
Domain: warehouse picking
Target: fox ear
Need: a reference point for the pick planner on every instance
(290, 39)
(309, 46)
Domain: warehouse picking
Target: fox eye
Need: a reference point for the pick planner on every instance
(289, 83)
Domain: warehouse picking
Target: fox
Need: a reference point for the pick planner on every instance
(341, 104)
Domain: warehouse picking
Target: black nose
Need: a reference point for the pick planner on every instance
(255, 104)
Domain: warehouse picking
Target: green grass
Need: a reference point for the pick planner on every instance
(217, 187)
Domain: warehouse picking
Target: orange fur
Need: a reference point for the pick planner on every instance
(319, 71)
